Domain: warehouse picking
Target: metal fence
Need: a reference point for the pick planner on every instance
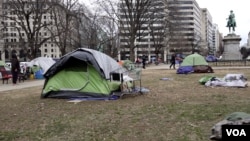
(230, 63)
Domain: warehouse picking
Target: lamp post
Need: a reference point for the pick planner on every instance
(149, 43)
(136, 48)
(2, 49)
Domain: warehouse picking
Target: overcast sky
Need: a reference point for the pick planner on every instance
(220, 10)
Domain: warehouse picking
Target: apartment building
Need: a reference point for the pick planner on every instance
(149, 39)
(2, 54)
(15, 37)
(185, 27)
(217, 39)
(207, 32)
(186, 18)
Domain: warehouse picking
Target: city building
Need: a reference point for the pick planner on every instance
(217, 40)
(2, 54)
(56, 28)
(184, 26)
(149, 40)
(207, 32)
(166, 27)
(15, 37)
(187, 26)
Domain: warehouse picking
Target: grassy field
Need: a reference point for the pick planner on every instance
(176, 110)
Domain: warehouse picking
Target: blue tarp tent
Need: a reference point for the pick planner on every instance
(211, 58)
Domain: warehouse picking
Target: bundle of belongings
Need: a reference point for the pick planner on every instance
(203, 69)
(230, 80)
(236, 118)
(131, 74)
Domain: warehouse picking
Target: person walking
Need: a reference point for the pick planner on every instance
(172, 61)
(15, 68)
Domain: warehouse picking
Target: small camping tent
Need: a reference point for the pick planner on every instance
(43, 63)
(82, 73)
(211, 58)
(194, 63)
(194, 60)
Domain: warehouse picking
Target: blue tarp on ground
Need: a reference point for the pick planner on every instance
(112, 97)
(137, 90)
(211, 58)
(39, 74)
(185, 70)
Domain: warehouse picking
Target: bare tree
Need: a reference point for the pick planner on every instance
(96, 31)
(221, 47)
(28, 20)
(101, 30)
(91, 31)
(65, 15)
(132, 17)
(158, 38)
(110, 37)
(175, 37)
(160, 33)
(196, 41)
(245, 52)
(183, 37)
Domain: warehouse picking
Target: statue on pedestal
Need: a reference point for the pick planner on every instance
(231, 21)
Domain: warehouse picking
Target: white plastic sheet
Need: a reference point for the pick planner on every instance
(43, 62)
(230, 80)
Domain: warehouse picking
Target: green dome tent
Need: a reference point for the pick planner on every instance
(194, 60)
(80, 74)
(194, 63)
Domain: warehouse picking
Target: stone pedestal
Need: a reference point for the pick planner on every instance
(232, 47)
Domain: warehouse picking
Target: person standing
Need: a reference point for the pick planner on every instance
(144, 61)
(172, 61)
(15, 68)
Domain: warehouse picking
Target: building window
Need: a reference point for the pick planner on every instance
(45, 50)
(52, 50)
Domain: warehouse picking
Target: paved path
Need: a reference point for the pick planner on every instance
(166, 66)
(40, 82)
(25, 84)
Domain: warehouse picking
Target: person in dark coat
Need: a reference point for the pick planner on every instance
(15, 68)
(172, 61)
(144, 61)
